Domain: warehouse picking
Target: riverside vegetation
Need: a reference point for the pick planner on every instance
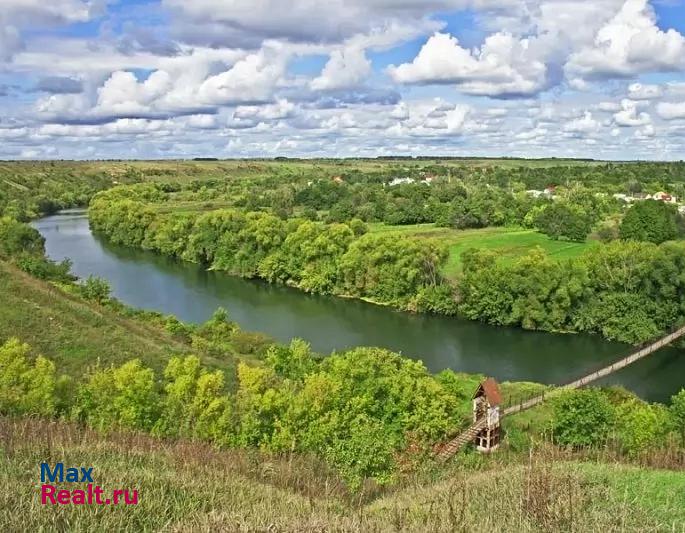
(340, 443)
(628, 289)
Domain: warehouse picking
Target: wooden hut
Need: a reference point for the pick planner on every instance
(486, 404)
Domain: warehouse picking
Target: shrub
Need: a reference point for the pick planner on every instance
(678, 410)
(25, 387)
(17, 237)
(641, 426)
(195, 404)
(582, 418)
(438, 299)
(125, 396)
(294, 361)
(95, 289)
(42, 268)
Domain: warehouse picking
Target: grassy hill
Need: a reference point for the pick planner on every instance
(187, 486)
(76, 334)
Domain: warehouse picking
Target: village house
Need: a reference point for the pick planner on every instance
(624, 198)
(664, 197)
(547, 193)
(401, 181)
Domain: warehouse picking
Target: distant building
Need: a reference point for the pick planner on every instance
(486, 404)
(401, 181)
(665, 197)
(547, 193)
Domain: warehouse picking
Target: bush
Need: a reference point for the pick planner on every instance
(174, 326)
(641, 426)
(293, 362)
(42, 268)
(95, 289)
(582, 418)
(195, 404)
(25, 388)
(218, 328)
(125, 397)
(17, 237)
(678, 410)
(439, 299)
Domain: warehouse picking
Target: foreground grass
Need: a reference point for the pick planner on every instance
(187, 486)
(509, 243)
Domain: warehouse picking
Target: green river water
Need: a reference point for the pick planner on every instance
(146, 280)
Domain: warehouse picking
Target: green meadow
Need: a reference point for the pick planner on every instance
(509, 243)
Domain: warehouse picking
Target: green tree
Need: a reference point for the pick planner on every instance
(17, 237)
(95, 289)
(678, 410)
(195, 404)
(293, 362)
(650, 221)
(562, 220)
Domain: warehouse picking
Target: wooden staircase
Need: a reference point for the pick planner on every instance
(456, 444)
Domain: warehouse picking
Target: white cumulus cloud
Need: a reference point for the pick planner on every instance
(503, 66)
(629, 44)
(347, 67)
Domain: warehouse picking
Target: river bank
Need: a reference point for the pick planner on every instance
(146, 280)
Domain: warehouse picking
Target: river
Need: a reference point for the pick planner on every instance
(146, 280)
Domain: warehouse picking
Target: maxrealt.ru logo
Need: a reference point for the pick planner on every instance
(91, 494)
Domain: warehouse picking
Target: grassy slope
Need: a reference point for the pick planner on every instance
(74, 333)
(189, 487)
(509, 243)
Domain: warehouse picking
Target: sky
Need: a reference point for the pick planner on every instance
(134, 79)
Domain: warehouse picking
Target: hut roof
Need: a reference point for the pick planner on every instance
(490, 389)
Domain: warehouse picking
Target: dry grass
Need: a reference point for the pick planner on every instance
(187, 486)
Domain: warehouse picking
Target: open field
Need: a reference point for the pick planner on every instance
(509, 243)
(186, 486)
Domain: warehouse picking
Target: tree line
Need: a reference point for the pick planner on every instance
(359, 410)
(341, 259)
(366, 411)
(628, 291)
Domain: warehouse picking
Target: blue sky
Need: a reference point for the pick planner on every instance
(170, 78)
